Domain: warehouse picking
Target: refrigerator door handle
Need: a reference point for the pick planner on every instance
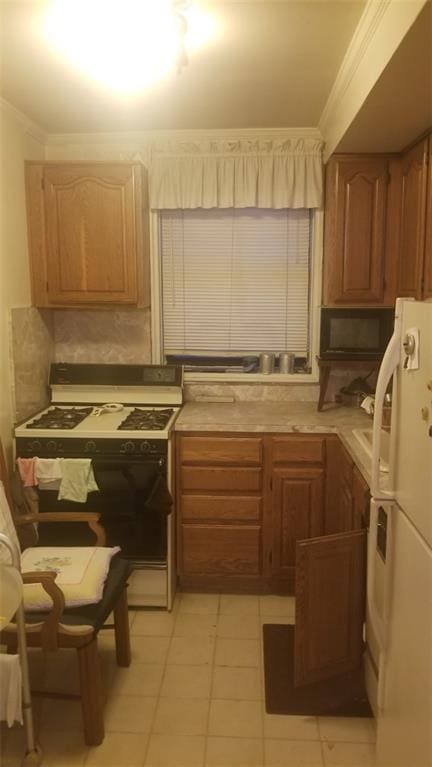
(389, 364)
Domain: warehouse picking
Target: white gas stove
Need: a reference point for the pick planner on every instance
(121, 417)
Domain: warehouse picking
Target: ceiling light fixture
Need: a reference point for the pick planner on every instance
(127, 45)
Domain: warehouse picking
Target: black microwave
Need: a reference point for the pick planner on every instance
(356, 334)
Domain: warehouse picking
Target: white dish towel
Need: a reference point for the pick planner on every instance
(10, 689)
(77, 479)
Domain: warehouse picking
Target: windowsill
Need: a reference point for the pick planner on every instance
(246, 378)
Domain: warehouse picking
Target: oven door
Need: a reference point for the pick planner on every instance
(133, 501)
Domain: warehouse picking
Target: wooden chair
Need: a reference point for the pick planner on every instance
(76, 627)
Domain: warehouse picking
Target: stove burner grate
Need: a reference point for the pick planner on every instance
(60, 418)
(148, 420)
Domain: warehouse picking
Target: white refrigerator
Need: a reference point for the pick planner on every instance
(399, 590)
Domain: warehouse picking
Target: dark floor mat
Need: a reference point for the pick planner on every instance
(344, 695)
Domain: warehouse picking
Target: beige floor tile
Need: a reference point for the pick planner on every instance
(276, 605)
(149, 649)
(238, 627)
(63, 748)
(235, 718)
(188, 625)
(191, 651)
(139, 679)
(61, 714)
(153, 623)
(237, 652)
(129, 713)
(123, 749)
(347, 729)
(175, 751)
(237, 683)
(234, 752)
(348, 754)
(181, 716)
(199, 604)
(292, 753)
(186, 682)
(231, 604)
(291, 727)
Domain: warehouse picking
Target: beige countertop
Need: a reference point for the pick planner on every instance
(282, 417)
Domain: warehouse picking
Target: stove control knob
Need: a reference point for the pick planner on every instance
(127, 447)
(90, 447)
(52, 446)
(35, 446)
(145, 447)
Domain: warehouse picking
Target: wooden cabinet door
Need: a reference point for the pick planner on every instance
(297, 513)
(355, 230)
(412, 220)
(338, 503)
(360, 501)
(330, 606)
(427, 271)
(92, 224)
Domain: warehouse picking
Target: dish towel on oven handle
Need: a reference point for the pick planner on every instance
(77, 479)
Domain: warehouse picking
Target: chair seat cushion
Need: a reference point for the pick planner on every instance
(94, 615)
(81, 573)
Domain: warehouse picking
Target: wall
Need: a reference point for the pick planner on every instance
(19, 141)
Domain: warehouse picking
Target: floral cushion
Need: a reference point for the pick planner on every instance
(81, 573)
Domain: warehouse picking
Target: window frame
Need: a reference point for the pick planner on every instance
(317, 220)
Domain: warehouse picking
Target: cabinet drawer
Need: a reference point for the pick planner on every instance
(216, 450)
(298, 449)
(220, 550)
(223, 479)
(223, 508)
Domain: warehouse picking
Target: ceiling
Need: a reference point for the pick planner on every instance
(399, 107)
(273, 65)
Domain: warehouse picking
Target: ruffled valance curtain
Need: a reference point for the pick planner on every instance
(243, 173)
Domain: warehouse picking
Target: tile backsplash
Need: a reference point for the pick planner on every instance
(39, 337)
(105, 336)
(32, 351)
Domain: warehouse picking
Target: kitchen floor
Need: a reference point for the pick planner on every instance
(192, 697)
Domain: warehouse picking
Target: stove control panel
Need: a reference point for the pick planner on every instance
(44, 447)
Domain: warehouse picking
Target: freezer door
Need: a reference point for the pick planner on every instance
(413, 439)
(404, 732)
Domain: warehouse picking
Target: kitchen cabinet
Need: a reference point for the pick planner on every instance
(356, 267)
(220, 511)
(244, 501)
(297, 501)
(360, 501)
(86, 225)
(412, 227)
(427, 271)
(330, 606)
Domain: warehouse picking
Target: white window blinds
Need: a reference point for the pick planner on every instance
(235, 281)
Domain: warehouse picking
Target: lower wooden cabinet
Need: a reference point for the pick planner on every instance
(244, 501)
(297, 512)
(330, 606)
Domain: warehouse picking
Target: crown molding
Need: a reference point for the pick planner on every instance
(30, 128)
(355, 53)
(381, 28)
(136, 138)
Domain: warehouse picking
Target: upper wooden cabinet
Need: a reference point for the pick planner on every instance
(412, 232)
(427, 272)
(355, 230)
(86, 226)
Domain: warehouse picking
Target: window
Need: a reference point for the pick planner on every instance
(235, 283)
